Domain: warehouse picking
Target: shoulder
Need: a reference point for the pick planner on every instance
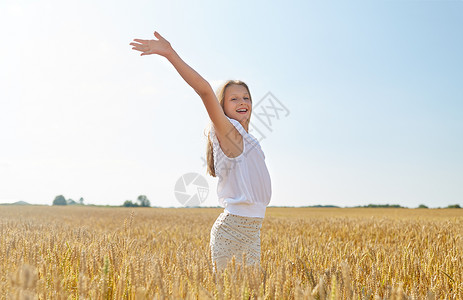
(230, 141)
(235, 123)
(238, 126)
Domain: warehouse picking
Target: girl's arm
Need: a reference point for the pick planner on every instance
(163, 47)
(221, 123)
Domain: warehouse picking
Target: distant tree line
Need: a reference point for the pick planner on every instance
(60, 200)
(450, 206)
(399, 206)
(142, 201)
(382, 206)
(385, 206)
(454, 206)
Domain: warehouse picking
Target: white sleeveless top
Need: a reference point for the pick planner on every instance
(244, 186)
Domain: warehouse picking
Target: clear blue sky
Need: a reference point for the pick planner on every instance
(373, 88)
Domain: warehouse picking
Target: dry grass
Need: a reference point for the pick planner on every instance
(119, 253)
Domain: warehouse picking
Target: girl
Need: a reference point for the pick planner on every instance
(234, 155)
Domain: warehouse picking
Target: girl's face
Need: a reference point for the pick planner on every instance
(237, 103)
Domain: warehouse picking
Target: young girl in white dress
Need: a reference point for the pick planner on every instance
(233, 155)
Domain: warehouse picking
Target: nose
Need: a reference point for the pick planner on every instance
(242, 100)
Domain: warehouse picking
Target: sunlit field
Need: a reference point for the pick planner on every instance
(307, 253)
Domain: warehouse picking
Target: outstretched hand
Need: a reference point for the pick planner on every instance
(160, 46)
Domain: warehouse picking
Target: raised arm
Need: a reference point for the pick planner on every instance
(221, 123)
(197, 82)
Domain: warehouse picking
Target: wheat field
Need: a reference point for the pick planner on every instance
(153, 253)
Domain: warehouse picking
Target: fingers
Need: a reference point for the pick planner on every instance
(158, 36)
(145, 46)
(139, 48)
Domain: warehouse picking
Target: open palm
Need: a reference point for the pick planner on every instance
(160, 46)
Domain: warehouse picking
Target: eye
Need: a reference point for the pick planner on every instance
(233, 98)
(246, 98)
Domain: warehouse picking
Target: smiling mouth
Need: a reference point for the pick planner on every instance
(242, 110)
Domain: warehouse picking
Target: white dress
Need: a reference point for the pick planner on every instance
(244, 189)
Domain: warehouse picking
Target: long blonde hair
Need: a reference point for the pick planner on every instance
(221, 97)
